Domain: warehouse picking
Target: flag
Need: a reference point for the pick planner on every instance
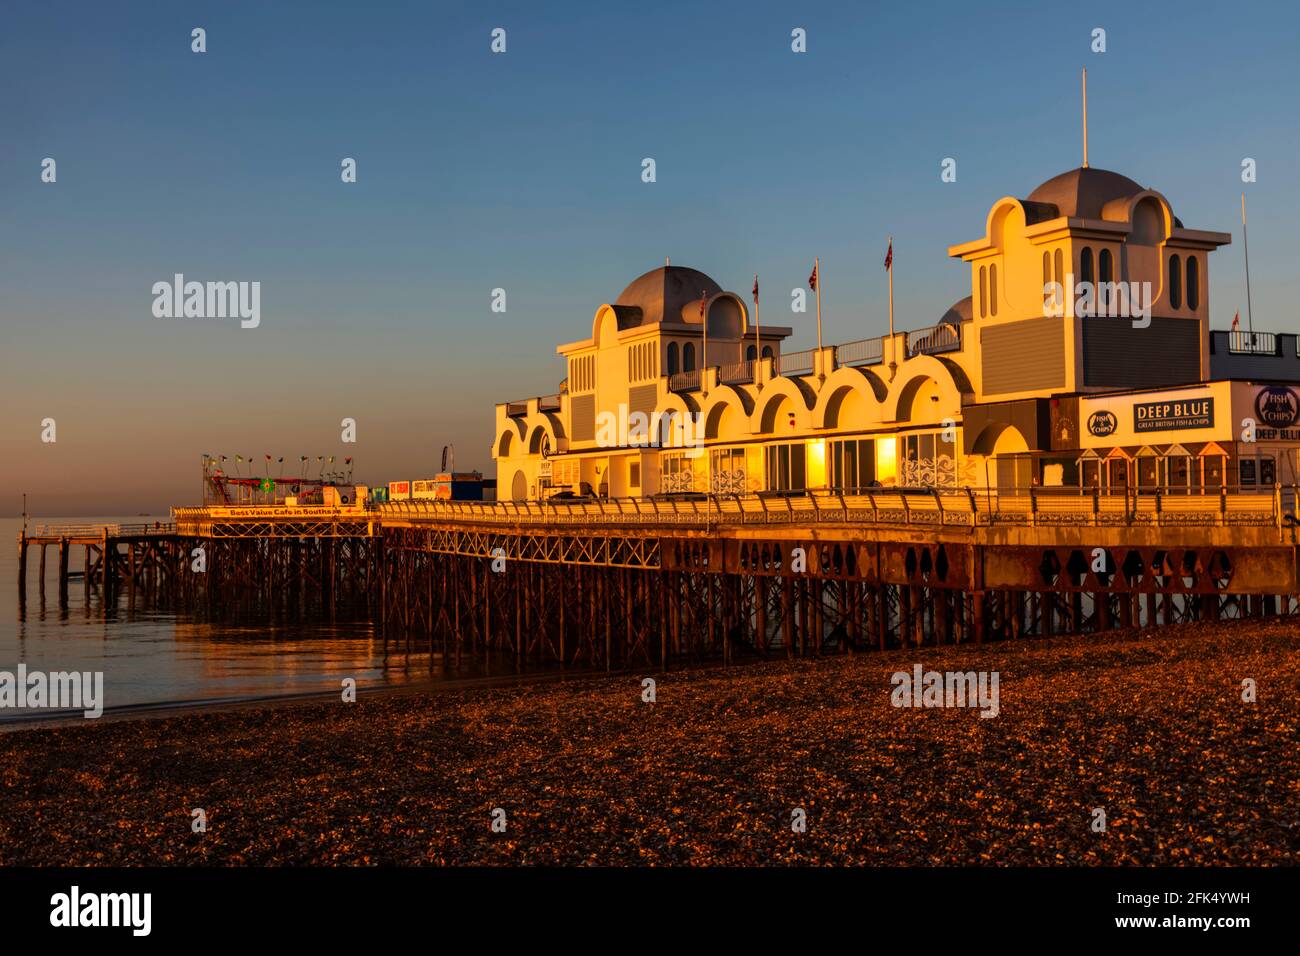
(812, 279)
(348, 459)
(704, 297)
(755, 286)
(1236, 321)
(889, 256)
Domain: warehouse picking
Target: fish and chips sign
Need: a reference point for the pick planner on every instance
(1155, 417)
(1173, 415)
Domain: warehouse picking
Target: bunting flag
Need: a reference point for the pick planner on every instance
(755, 286)
(812, 279)
(889, 257)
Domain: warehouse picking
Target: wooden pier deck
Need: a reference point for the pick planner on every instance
(611, 583)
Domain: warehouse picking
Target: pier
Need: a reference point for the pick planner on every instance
(649, 583)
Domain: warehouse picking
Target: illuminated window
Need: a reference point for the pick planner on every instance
(786, 466)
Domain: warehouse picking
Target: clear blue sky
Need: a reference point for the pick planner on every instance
(522, 171)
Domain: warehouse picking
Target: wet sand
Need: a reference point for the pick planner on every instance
(1150, 728)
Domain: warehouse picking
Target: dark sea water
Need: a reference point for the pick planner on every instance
(149, 657)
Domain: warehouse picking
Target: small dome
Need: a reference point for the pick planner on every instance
(1081, 193)
(959, 312)
(662, 293)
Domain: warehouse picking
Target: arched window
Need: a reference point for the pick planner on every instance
(688, 357)
(1060, 269)
(984, 292)
(993, 289)
(1047, 269)
(672, 358)
(1085, 265)
(767, 351)
(750, 354)
(1105, 273)
(1193, 284)
(1175, 283)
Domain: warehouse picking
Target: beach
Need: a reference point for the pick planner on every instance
(1148, 727)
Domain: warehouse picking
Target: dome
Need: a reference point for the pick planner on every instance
(661, 293)
(959, 313)
(1081, 193)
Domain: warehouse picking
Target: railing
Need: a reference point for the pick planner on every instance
(937, 338)
(92, 530)
(934, 508)
(797, 363)
(861, 352)
(684, 381)
(737, 373)
(1253, 343)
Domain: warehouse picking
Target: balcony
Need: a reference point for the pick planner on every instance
(935, 339)
(861, 352)
(737, 373)
(797, 363)
(684, 381)
(1253, 343)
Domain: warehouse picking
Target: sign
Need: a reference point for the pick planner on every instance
(544, 469)
(1102, 423)
(1277, 406)
(1173, 415)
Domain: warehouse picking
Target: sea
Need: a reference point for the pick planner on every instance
(159, 660)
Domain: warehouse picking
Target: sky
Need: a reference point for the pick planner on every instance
(522, 171)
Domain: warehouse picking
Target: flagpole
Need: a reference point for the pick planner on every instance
(704, 359)
(1245, 246)
(758, 329)
(817, 271)
(891, 288)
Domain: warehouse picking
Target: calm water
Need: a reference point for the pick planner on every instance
(150, 657)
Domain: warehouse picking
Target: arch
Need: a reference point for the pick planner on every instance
(688, 357)
(948, 385)
(999, 438)
(519, 486)
(781, 396)
(751, 353)
(1193, 284)
(725, 417)
(767, 351)
(1085, 264)
(1105, 266)
(673, 367)
(850, 395)
(1059, 261)
(1175, 282)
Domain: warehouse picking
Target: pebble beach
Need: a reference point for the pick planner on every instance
(1148, 727)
